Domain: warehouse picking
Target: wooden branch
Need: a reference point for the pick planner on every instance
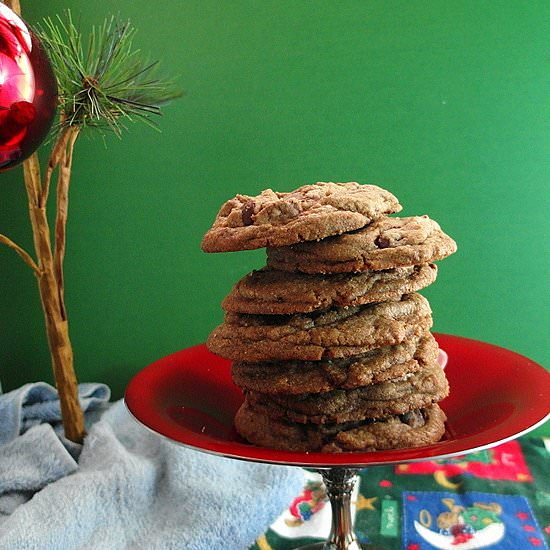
(55, 159)
(57, 330)
(57, 327)
(14, 6)
(31, 176)
(22, 253)
(63, 181)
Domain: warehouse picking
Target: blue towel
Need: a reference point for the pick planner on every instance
(38, 403)
(129, 488)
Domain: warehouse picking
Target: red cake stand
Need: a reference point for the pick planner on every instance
(496, 395)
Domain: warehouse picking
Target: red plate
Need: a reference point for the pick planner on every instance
(496, 395)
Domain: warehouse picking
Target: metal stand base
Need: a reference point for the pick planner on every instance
(339, 483)
(329, 546)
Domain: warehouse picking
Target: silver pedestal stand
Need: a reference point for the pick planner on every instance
(339, 483)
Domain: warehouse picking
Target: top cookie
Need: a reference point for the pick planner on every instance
(309, 213)
(386, 243)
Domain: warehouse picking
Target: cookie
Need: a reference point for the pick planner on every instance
(384, 244)
(412, 429)
(309, 213)
(411, 391)
(373, 367)
(270, 291)
(342, 332)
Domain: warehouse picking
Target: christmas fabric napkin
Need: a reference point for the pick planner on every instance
(497, 499)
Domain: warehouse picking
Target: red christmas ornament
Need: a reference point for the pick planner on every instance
(28, 91)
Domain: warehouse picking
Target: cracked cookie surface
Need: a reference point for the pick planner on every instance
(384, 244)
(269, 291)
(342, 332)
(309, 213)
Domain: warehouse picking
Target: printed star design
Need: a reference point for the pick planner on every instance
(363, 503)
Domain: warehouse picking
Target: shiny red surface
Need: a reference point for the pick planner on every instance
(496, 395)
(28, 91)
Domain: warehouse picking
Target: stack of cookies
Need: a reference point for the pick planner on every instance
(330, 341)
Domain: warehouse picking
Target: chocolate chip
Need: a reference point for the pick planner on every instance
(382, 242)
(247, 213)
(414, 419)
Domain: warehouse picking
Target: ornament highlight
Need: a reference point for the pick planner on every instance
(28, 91)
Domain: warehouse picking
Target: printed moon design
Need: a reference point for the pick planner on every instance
(484, 537)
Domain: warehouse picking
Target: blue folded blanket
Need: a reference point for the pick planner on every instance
(125, 487)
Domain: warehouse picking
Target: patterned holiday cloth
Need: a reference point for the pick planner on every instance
(497, 499)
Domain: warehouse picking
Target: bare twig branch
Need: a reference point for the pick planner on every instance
(56, 155)
(31, 177)
(63, 182)
(14, 5)
(22, 253)
(57, 329)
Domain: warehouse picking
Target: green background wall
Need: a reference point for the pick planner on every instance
(442, 102)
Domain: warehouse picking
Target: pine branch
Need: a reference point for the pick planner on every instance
(107, 81)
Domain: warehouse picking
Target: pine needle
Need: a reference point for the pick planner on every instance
(106, 81)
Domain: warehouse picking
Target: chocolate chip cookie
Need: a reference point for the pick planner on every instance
(413, 429)
(373, 367)
(311, 212)
(270, 291)
(342, 332)
(384, 244)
